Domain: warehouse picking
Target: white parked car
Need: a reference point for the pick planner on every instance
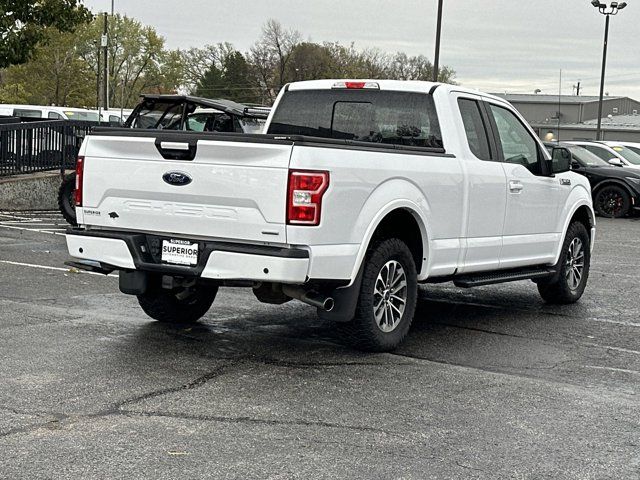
(358, 191)
(616, 153)
(49, 112)
(115, 115)
(633, 146)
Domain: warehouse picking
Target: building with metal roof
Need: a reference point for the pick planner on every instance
(576, 116)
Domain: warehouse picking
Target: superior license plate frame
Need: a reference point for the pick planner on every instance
(175, 251)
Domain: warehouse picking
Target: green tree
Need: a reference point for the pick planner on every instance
(237, 82)
(230, 80)
(135, 58)
(212, 84)
(54, 76)
(310, 61)
(23, 24)
(197, 61)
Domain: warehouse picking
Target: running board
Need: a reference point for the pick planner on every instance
(89, 266)
(497, 276)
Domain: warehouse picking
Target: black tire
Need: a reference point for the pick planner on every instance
(66, 201)
(365, 332)
(612, 201)
(182, 306)
(561, 288)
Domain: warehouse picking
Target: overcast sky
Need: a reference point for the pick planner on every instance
(494, 45)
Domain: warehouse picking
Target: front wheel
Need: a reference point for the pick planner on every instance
(387, 299)
(182, 305)
(572, 270)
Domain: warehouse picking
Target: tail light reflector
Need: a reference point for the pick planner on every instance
(304, 199)
(77, 194)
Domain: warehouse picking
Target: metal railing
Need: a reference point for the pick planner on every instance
(39, 146)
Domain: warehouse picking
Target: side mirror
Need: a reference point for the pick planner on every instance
(575, 165)
(616, 162)
(560, 160)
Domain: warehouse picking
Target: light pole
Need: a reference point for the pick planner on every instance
(436, 58)
(607, 11)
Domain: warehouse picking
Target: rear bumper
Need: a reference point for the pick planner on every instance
(217, 261)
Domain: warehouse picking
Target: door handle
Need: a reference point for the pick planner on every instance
(515, 186)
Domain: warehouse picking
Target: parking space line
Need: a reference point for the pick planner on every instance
(613, 369)
(30, 229)
(59, 269)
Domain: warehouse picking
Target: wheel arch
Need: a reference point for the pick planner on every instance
(582, 211)
(611, 181)
(400, 219)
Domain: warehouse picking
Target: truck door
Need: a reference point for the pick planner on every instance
(486, 186)
(531, 221)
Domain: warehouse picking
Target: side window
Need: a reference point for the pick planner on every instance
(196, 122)
(22, 112)
(475, 128)
(518, 146)
(54, 116)
(603, 153)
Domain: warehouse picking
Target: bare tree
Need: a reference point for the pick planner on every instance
(270, 56)
(198, 61)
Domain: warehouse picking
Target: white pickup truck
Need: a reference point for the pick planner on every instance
(357, 192)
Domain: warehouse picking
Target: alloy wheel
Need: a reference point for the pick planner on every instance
(574, 265)
(390, 296)
(611, 202)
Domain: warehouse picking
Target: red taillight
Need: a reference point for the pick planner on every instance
(77, 195)
(304, 200)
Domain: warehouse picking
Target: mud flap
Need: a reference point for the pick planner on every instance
(346, 301)
(133, 282)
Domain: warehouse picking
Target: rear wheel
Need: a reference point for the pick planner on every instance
(572, 270)
(612, 201)
(180, 305)
(387, 299)
(66, 201)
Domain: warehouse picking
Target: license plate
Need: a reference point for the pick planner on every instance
(179, 252)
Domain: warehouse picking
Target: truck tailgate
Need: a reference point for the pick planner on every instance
(231, 189)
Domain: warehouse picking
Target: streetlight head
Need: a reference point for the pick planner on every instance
(621, 5)
(595, 3)
(614, 5)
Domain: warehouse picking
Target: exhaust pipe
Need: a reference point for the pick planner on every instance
(310, 297)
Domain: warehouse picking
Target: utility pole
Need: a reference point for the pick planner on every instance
(578, 89)
(436, 58)
(607, 11)
(97, 76)
(105, 64)
(559, 104)
(604, 66)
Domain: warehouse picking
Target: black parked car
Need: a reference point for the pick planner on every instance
(615, 190)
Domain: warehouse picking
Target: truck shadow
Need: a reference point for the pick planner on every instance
(444, 320)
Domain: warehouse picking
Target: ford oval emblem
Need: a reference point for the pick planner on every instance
(176, 178)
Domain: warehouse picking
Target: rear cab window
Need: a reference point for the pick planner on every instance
(373, 116)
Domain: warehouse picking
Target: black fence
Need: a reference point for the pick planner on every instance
(39, 146)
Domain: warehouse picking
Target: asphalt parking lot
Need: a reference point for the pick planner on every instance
(491, 382)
